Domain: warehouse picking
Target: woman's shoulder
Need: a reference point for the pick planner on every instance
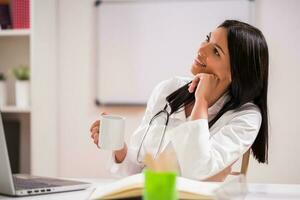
(248, 112)
(249, 107)
(172, 84)
(247, 116)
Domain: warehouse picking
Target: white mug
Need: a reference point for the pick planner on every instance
(112, 132)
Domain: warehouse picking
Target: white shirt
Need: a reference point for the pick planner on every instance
(201, 151)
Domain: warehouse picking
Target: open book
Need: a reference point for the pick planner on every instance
(132, 186)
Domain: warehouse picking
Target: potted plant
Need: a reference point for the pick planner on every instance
(21, 74)
(3, 97)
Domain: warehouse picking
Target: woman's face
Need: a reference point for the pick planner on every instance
(213, 56)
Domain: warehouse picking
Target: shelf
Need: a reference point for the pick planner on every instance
(14, 109)
(15, 32)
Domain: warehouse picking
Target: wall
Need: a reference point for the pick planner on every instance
(279, 21)
(78, 157)
(44, 84)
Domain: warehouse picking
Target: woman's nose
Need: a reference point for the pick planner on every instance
(202, 53)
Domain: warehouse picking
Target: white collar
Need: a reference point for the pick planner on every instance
(214, 109)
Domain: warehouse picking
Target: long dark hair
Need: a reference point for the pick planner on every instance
(249, 60)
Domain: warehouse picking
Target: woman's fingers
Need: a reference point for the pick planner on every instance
(192, 86)
(94, 132)
(94, 129)
(96, 141)
(194, 83)
(95, 136)
(95, 124)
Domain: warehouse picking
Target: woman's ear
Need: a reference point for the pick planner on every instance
(228, 77)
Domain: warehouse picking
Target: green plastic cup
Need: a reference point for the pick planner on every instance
(160, 186)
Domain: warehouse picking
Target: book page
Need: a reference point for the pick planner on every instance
(133, 186)
(122, 185)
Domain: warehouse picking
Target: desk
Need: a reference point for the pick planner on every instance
(256, 192)
(73, 195)
(273, 191)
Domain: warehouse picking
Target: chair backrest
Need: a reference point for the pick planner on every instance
(221, 176)
(244, 166)
(245, 163)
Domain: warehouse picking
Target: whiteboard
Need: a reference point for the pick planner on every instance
(142, 42)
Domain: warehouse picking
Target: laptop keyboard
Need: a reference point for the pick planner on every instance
(30, 183)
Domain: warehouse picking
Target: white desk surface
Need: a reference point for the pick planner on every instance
(255, 192)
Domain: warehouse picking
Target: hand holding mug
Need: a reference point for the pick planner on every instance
(112, 132)
(94, 130)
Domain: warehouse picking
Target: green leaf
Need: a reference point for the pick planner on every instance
(21, 72)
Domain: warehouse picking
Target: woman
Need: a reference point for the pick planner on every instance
(213, 118)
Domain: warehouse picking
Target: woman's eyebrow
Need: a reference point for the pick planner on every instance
(218, 46)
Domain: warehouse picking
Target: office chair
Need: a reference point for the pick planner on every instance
(227, 171)
(244, 166)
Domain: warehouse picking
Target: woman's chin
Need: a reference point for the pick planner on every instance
(195, 69)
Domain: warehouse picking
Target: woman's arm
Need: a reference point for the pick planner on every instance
(200, 110)
(124, 162)
(208, 89)
(121, 154)
(202, 154)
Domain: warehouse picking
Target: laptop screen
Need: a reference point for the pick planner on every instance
(6, 182)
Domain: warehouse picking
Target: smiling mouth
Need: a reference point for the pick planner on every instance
(199, 63)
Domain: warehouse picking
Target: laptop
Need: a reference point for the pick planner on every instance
(25, 185)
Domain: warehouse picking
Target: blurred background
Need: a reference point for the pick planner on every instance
(60, 59)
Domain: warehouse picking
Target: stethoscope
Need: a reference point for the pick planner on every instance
(160, 113)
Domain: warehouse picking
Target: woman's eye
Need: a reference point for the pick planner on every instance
(216, 52)
(207, 38)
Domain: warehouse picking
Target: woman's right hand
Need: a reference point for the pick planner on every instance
(95, 131)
